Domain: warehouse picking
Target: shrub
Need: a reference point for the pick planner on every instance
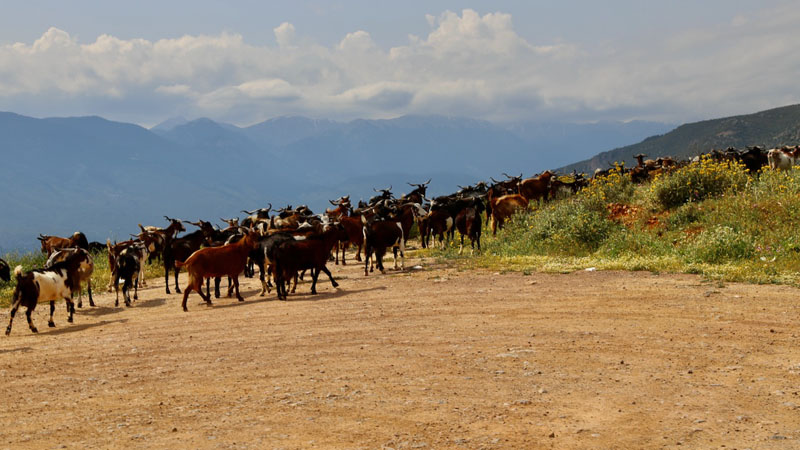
(565, 227)
(616, 187)
(698, 181)
(718, 245)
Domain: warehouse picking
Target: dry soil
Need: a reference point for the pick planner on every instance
(433, 357)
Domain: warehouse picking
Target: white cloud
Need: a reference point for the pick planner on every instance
(284, 34)
(467, 64)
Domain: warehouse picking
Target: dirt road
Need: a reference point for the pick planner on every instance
(429, 358)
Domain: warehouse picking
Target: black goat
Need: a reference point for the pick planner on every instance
(128, 267)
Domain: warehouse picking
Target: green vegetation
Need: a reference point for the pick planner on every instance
(100, 277)
(707, 218)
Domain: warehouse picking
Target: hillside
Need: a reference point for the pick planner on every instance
(768, 128)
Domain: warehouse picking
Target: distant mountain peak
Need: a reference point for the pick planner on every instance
(169, 124)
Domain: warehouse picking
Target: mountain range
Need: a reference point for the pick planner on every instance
(103, 177)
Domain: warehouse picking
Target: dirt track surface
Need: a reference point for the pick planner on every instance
(429, 358)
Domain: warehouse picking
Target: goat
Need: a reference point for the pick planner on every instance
(5, 273)
(96, 247)
(418, 194)
(45, 285)
(264, 255)
(53, 243)
(128, 266)
(536, 188)
(228, 260)
(783, 158)
(380, 235)
(114, 251)
(85, 269)
(179, 250)
(312, 253)
(754, 158)
(439, 223)
(175, 226)
(468, 223)
(504, 207)
(385, 194)
(355, 237)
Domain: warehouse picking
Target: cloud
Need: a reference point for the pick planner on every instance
(467, 64)
(284, 34)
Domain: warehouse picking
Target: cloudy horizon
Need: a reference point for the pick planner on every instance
(469, 62)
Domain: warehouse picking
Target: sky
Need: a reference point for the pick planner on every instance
(505, 61)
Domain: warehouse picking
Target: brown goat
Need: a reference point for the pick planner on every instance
(355, 237)
(536, 188)
(211, 262)
(504, 207)
(53, 243)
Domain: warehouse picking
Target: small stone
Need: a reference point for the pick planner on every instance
(552, 435)
(174, 430)
(542, 391)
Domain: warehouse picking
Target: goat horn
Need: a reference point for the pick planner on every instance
(427, 182)
(375, 190)
(247, 212)
(492, 178)
(333, 203)
(269, 208)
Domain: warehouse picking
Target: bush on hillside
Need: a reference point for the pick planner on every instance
(568, 227)
(616, 187)
(698, 181)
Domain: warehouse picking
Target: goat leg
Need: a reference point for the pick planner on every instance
(14, 309)
(328, 273)
(166, 276)
(177, 288)
(236, 286)
(314, 275)
(50, 322)
(89, 288)
(71, 309)
(28, 312)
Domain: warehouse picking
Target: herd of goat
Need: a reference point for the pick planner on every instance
(295, 240)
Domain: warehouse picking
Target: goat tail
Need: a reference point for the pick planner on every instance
(18, 272)
(180, 263)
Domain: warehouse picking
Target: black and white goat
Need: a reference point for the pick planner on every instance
(45, 285)
(85, 269)
(128, 267)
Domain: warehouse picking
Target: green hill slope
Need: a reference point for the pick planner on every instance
(768, 129)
